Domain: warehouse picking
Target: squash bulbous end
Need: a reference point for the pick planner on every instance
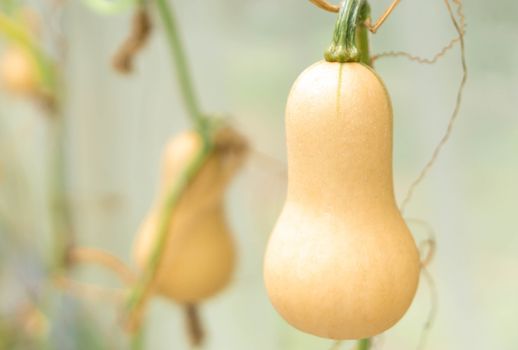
(338, 278)
(199, 256)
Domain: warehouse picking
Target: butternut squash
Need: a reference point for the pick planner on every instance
(199, 255)
(341, 262)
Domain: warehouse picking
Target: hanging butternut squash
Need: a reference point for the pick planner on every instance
(341, 262)
(199, 257)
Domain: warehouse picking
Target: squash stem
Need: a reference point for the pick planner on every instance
(194, 325)
(61, 215)
(364, 344)
(350, 39)
(362, 36)
(180, 62)
(137, 340)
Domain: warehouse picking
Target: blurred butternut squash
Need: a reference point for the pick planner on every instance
(199, 256)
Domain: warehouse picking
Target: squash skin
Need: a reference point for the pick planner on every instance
(199, 256)
(341, 262)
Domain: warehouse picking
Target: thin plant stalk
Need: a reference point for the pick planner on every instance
(182, 69)
(364, 344)
(137, 340)
(59, 204)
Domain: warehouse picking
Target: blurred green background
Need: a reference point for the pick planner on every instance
(244, 56)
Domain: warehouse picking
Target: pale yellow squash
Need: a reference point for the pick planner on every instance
(341, 262)
(199, 256)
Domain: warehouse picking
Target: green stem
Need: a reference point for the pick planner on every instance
(362, 36)
(182, 70)
(364, 344)
(137, 340)
(60, 210)
(350, 42)
(139, 293)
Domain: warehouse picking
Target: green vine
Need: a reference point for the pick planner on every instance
(200, 121)
(364, 344)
